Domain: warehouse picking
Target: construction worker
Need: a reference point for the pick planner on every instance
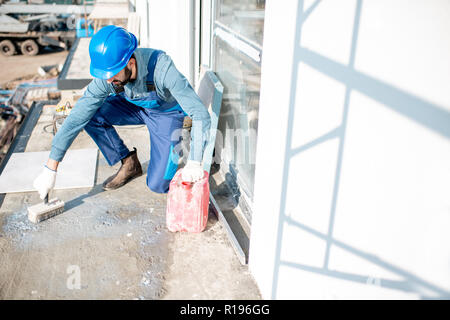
(133, 86)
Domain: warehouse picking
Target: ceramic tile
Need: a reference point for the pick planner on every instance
(77, 170)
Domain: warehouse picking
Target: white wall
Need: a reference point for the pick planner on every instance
(170, 28)
(142, 10)
(356, 145)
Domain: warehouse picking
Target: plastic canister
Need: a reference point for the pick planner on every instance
(187, 204)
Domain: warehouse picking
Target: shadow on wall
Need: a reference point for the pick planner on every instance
(414, 108)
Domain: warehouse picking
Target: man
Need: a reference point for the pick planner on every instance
(133, 86)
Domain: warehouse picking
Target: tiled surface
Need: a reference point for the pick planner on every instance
(77, 170)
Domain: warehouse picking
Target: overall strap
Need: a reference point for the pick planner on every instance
(151, 69)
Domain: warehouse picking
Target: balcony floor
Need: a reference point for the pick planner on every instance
(117, 239)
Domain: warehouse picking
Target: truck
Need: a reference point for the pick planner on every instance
(27, 36)
(26, 28)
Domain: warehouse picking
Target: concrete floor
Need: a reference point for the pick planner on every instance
(115, 241)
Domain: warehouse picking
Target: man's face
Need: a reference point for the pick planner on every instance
(122, 78)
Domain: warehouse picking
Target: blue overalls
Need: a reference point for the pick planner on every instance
(164, 121)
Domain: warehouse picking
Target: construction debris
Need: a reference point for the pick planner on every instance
(43, 73)
(15, 103)
(7, 134)
(52, 70)
(38, 94)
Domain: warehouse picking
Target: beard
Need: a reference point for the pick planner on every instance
(118, 84)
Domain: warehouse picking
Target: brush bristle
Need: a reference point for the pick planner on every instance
(44, 211)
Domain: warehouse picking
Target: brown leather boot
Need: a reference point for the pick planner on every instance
(130, 169)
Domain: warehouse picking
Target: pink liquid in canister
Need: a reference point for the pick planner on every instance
(187, 204)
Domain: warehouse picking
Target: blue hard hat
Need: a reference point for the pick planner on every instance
(110, 49)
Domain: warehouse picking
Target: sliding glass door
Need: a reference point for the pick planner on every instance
(235, 57)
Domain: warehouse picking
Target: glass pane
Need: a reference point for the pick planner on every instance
(238, 121)
(245, 17)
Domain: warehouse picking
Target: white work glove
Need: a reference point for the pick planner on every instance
(192, 171)
(45, 182)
